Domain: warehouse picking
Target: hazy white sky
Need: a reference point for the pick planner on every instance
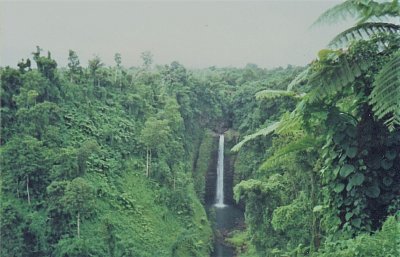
(195, 33)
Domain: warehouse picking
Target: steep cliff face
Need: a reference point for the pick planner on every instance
(211, 175)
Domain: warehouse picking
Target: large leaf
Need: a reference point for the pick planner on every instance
(387, 181)
(356, 179)
(338, 187)
(346, 169)
(373, 191)
(351, 152)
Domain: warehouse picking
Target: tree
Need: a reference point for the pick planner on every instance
(154, 135)
(94, 65)
(118, 61)
(45, 65)
(147, 58)
(79, 200)
(75, 70)
(23, 65)
(11, 82)
(23, 167)
(87, 148)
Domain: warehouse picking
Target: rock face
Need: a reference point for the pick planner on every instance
(228, 178)
(211, 178)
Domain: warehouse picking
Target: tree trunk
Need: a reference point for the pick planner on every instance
(78, 224)
(150, 163)
(147, 162)
(18, 189)
(315, 219)
(27, 190)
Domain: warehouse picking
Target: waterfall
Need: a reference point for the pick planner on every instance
(219, 198)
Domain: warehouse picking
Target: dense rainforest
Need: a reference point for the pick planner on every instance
(103, 160)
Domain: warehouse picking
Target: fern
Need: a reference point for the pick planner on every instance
(343, 11)
(303, 143)
(332, 79)
(299, 79)
(361, 10)
(291, 123)
(363, 31)
(262, 132)
(271, 94)
(385, 96)
(372, 9)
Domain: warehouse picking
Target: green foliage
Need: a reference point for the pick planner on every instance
(363, 31)
(271, 94)
(72, 143)
(207, 147)
(239, 240)
(386, 93)
(301, 144)
(345, 188)
(262, 132)
(155, 133)
(318, 171)
(361, 10)
(382, 243)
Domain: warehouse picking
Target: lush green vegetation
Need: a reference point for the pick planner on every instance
(328, 182)
(112, 161)
(100, 161)
(97, 161)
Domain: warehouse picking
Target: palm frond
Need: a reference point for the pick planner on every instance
(347, 9)
(363, 31)
(385, 96)
(262, 132)
(299, 79)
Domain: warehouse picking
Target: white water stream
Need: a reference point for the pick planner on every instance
(219, 197)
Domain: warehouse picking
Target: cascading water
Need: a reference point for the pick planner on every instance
(227, 217)
(219, 197)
